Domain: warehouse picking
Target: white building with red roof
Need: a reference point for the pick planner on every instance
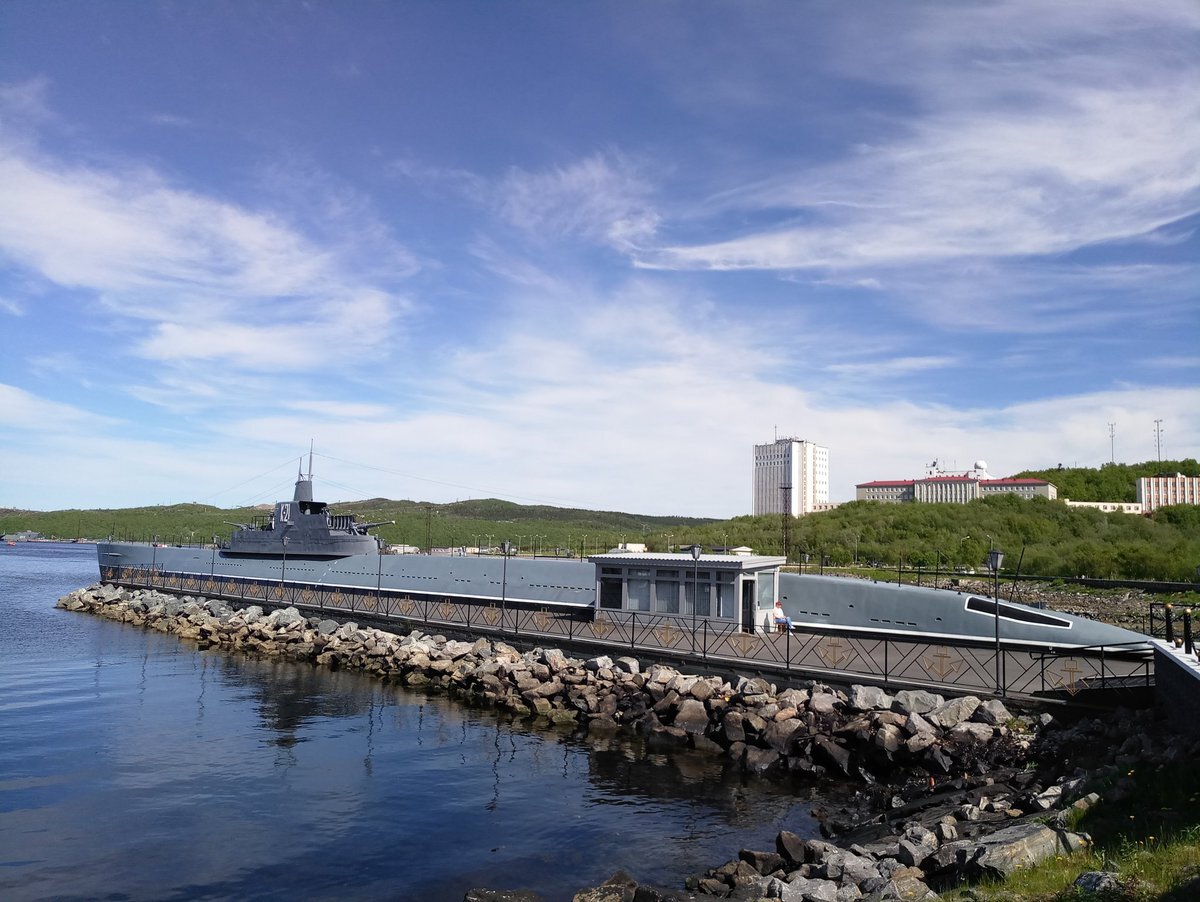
(939, 487)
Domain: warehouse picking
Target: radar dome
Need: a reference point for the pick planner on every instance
(981, 465)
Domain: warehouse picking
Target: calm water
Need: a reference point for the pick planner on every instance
(133, 766)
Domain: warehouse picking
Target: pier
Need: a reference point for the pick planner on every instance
(1103, 676)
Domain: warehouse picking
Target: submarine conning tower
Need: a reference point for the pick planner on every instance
(304, 483)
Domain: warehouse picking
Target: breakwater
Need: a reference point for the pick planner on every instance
(973, 752)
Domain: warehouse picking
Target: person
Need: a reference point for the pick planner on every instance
(781, 619)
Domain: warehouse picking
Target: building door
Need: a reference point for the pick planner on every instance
(748, 604)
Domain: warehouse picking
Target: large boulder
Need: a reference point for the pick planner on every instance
(1019, 846)
(869, 698)
(916, 701)
(954, 711)
(692, 716)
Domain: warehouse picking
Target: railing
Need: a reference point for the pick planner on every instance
(959, 667)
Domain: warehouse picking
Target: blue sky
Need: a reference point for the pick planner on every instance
(588, 254)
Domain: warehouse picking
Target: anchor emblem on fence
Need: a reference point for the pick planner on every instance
(542, 620)
(744, 643)
(445, 610)
(491, 614)
(307, 596)
(1068, 679)
(601, 627)
(667, 634)
(941, 664)
(255, 591)
(407, 606)
(830, 652)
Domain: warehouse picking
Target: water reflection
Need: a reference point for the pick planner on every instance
(142, 765)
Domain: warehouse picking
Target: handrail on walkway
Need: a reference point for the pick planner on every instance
(885, 659)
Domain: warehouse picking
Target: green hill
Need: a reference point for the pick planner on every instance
(463, 523)
(1045, 537)
(1111, 482)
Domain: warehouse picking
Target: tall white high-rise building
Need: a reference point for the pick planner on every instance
(790, 471)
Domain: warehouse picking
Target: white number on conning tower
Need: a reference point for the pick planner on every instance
(285, 513)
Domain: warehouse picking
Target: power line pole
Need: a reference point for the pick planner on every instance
(1112, 442)
(1158, 438)
(787, 519)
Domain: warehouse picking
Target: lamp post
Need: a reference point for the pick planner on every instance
(695, 589)
(283, 567)
(505, 548)
(995, 560)
(960, 544)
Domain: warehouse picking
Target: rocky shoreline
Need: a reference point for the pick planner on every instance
(950, 793)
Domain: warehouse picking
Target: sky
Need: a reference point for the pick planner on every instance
(589, 254)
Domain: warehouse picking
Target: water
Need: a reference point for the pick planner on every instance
(135, 766)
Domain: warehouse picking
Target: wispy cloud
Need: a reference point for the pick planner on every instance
(876, 369)
(1025, 145)
(601, 197)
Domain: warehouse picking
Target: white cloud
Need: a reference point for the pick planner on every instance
(1022, 144)
(600, 197)
(22, 410)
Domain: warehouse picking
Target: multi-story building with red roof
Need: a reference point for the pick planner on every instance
(952, 488)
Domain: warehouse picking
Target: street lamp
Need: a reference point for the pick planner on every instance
(283, 567)
(995, 559)
(695, 549)
(506, 548)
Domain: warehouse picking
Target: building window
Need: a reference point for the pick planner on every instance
(639, 593)
(666, 592)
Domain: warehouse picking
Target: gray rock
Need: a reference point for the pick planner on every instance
(1019, 846)
(804, 889)
(555, 659)
(692, 716)
(823, 703)
(1049, 799)
(866, 698)
(970, 732)
(502, 895)
(993, 712)
(889, 738)
(628, 665)
(955, 711)
(759, 761)
(1099, 882)
(600, 662)
(779, 735)
(830, 753)
(916, 701)
(765, 863)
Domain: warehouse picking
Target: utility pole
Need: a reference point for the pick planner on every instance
(1158, 438)
(1112, 442)
(787, 519)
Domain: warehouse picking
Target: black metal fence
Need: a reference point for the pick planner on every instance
(888, 660)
